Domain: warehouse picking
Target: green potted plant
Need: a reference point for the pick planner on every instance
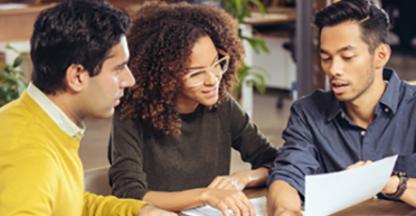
(248, 75)
(12, 78)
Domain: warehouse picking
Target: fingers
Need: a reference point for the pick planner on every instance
(230, 200)
(368, 162)
(223, 208)
(248, 207)
(359, 163)
(237, 206)
(226, 182)
(215, 182)
(237, 210)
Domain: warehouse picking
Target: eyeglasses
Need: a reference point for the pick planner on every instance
(197, 77)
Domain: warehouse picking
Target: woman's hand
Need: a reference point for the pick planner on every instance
(236, 181)
(242, 179)
(225, 200)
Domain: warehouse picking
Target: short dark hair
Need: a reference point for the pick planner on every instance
(74, 32)
(374, 21)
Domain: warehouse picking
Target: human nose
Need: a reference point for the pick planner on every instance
(335, 68)
(128, 79)
(211, 76)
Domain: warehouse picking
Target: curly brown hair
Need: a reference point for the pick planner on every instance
(161, 43)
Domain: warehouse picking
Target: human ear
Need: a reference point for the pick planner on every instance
(382, 55)
(76, 78)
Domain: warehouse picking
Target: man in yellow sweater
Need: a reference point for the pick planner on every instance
(80, 56)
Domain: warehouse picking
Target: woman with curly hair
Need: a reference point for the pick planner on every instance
(173, 133)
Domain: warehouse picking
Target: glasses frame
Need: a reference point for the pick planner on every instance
(210, 69)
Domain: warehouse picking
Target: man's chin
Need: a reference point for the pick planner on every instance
(105, 114)
(344, 98)
(109, 114)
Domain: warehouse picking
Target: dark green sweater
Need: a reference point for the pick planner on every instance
(144, 160)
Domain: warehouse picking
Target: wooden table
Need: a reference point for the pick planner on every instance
(373, 207)
(377, 207)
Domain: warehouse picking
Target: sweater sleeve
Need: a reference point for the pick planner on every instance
(28, 183)
(247, 139)
(127, 178)
(109, 205)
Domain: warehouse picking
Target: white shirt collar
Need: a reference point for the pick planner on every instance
(56, 114)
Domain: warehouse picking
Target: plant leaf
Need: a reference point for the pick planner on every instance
(259, 5)
(17, 61)
(12, 79)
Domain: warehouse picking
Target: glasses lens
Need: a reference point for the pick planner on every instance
(218, 68)
(221, 66)
(197, 77)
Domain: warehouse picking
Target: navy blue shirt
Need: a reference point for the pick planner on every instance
(320, 137)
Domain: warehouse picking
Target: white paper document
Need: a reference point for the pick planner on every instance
(328, 193)
(259, 204)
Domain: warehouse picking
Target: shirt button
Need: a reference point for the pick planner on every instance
(362, 133)
(343, 115)
(386, 110)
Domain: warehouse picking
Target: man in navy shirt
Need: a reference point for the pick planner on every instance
(368, 114)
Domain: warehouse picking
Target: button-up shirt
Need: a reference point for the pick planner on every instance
(56, 114)
(321, 138)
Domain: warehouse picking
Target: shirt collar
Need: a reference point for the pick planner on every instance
(56, 114)
(389, 99)
(335, 108)
(391, 96)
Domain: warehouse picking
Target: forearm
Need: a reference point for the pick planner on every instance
(411, 183)
(176, 201)
(409, 196)
(282, 196)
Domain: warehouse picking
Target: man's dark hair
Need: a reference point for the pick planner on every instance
(374, 21)
(74, 32)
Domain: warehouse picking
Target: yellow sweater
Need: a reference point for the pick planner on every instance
(40, 170)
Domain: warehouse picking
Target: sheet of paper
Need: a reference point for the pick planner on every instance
(259, 204)
(328, 193)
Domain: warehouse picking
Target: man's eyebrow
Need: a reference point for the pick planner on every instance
(346, 48)
(121, 65)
